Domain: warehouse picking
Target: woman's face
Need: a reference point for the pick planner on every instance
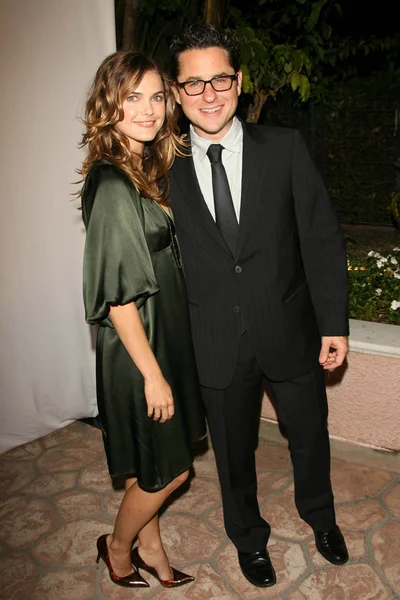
(144, 112)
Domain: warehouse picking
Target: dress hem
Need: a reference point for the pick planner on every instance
(163, 485)
(154, 489)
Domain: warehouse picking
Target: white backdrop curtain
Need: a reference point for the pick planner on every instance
(50, 50)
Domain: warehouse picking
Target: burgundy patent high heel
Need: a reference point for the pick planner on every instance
(178, 578)
(133, 580)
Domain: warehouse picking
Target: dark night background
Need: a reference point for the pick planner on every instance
(368, 18)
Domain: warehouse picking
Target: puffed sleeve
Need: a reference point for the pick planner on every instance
(117, 267)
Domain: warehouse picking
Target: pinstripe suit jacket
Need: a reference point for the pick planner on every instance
(286, 284)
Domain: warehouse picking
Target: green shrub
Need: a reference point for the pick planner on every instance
(375, 287)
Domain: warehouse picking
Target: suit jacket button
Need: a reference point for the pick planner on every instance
(238, 269)
(236, 309)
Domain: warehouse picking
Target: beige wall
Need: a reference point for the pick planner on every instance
(364, 399)
(50, 50)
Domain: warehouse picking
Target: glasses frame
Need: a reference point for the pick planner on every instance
(210, 81)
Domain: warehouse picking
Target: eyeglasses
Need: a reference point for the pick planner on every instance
(222, 83)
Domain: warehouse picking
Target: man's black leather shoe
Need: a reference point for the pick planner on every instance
(257, 568)
(332, 546)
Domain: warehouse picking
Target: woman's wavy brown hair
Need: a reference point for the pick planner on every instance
(116, 78)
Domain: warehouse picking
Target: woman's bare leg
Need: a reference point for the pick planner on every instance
(151, 546)
(138, 509)
(152, 549)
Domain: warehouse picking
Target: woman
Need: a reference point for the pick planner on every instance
(147, 388)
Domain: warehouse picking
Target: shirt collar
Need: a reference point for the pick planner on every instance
(230, 141)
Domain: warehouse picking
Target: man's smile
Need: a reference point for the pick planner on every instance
(213, 110)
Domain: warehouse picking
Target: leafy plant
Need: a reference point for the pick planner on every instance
(286, 44)
(395, 202)
(271, 57)
(395, 208)
(375, 287)
(291, 45)
(267, 68)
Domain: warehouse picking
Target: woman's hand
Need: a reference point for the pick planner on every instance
(129, 326)
(160, 403)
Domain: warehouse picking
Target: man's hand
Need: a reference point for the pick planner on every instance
(333, 351)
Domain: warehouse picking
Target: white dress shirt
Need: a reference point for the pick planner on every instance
(232, 159)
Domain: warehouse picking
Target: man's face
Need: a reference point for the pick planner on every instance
(211, 112)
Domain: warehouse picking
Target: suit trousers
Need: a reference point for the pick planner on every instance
(233, 415)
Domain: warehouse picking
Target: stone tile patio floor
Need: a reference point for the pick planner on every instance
(57, 498)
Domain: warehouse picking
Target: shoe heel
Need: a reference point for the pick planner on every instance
(98, 558)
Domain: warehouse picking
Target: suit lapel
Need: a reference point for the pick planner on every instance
(255, 161)
(186, 179)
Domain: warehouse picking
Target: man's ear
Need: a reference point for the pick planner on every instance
(239, 81)
(175, 91)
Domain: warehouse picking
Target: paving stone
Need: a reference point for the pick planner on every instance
(208, 454)
(74, 456)
(188, 538)
(112, 502)
(269, 482)
(70, 433)
(14, 475)
(206, 467)
(349, 582)
(201, 495)
(48, 485)
(273, 457)
(361, 516)
(356, 482)
(29, 451)
(65, 585)
(216, 518)
(72, 544)
(392, 500)
(17, 573)
(386, 546)
(93, 432)
(288, 560)
(111, 591)
(96, 477)
(71, 456)
(281, 513)
(76, 505)
(25, 520)
(204, 464)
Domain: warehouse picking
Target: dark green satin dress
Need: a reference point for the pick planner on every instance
(131, 254)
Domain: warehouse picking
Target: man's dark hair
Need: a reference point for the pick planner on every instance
(196, 37)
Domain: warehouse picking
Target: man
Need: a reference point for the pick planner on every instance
(267, 281)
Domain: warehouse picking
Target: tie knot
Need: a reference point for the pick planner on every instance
(214, 152)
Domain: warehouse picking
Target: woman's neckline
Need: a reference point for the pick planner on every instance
(165, 209)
